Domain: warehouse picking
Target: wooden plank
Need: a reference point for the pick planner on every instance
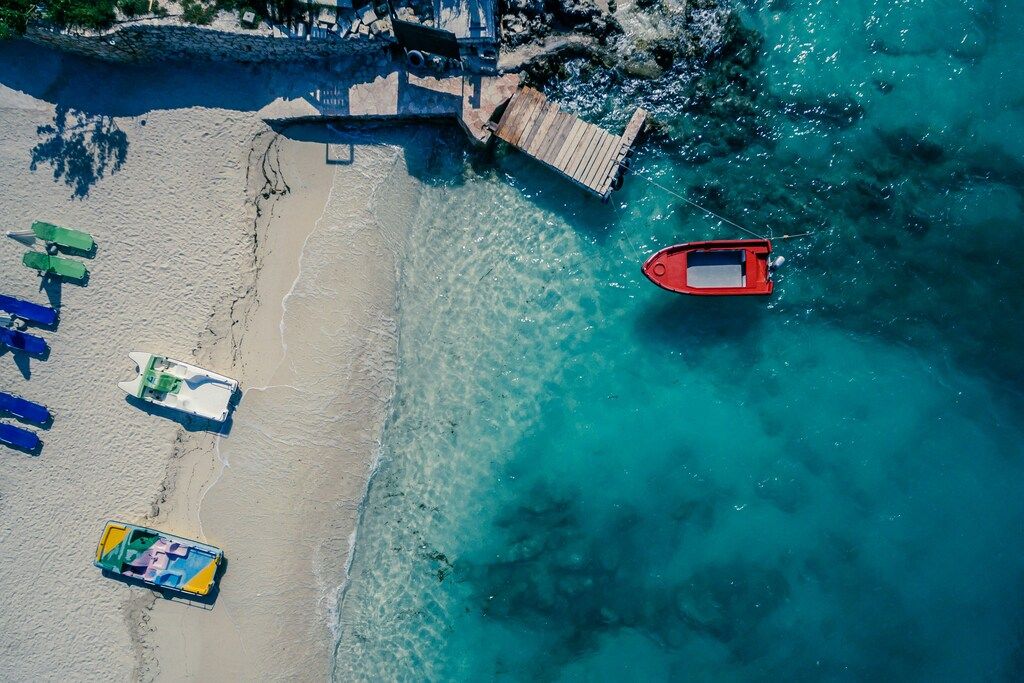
(556, 137)
(600, 145)
(600, 164)
(633, 128)
(544, 139)
(515, 127)
(538, 124)
(506, 116)
(513, 113)
(610, 164)
(583, 152)
(572, 148)
(570, 140)
(595, 141)
(596, 148)
(572, 160)
(529, 118)
(540, 139)
(588, 169)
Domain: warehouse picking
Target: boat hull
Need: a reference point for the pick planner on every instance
(159, 559)
(713, 268)
(180, 386)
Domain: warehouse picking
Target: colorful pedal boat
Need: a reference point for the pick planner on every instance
(157, 558)
(26, 310)
(23, 409)
(54, 265)
(23, 341)
(713, 268)
(65, 237)
(181, 386)
(16, 437)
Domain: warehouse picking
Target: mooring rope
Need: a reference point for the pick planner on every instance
(712, 213)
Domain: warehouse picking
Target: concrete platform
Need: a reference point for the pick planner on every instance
(399, 94)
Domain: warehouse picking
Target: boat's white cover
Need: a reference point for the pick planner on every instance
(202, 392)
(716, 269)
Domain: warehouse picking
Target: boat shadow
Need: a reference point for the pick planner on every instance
(205, 602)
(191, 423)
(695, 322)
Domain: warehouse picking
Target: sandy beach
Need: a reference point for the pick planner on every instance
(268, 257)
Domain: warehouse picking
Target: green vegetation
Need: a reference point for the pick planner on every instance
(15, 15)
(197, 12)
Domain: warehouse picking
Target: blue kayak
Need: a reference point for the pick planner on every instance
(18, 437)
(35, 313)
(22, 341)
(23, 409)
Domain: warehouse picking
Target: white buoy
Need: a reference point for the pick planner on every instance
(778, 261)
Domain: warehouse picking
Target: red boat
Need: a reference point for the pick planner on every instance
(714, 268)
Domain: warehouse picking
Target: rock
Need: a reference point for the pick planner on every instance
(642, 67)
(368, 16)
(574, 12)
(527, 7)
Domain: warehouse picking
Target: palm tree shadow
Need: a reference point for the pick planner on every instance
(81, 148)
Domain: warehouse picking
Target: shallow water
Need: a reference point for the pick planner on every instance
(585, 477)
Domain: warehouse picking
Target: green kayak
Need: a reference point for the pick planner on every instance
(56, 265)
(65, 237)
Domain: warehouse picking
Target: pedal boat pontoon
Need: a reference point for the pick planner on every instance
(158, 559)
(181, 386)
(713, 268)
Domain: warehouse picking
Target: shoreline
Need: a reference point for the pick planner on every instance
(347, 467)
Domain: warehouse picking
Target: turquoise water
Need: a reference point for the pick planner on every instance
(587, 478)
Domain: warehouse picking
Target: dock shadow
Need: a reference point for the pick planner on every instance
(81, 148)
(205, 602)
(191, 423)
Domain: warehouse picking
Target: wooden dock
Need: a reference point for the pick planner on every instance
(582, 152)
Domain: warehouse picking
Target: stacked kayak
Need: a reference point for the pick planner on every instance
(23, 342)
(28, 311)
(157, 558)
(23, 409)
(16, 437)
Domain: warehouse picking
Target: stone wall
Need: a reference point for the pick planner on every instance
(156, 39)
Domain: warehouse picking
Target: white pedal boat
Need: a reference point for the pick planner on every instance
(179, 385)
